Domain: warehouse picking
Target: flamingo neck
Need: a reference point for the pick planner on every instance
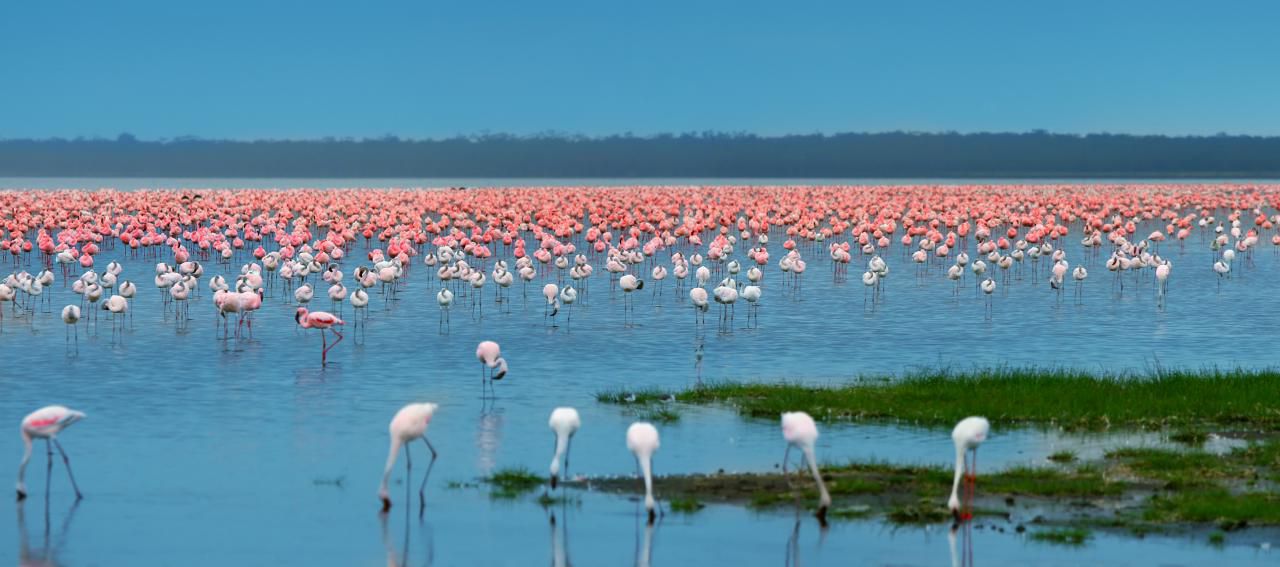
(954, 501)
(391, 463)
(646, 470)
(824, 498)
(562, 445)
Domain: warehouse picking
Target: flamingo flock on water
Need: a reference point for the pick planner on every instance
(717, 245)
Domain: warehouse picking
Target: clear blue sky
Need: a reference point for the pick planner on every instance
(417, 68)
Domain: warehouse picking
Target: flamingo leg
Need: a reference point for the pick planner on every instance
(422, 497)
(66, 461)
(335, 343)
(324, 353)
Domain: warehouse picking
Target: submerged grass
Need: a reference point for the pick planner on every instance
(1070, 398)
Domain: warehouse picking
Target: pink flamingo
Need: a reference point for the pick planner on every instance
(46, 423)
(320, 320)
(490, 356)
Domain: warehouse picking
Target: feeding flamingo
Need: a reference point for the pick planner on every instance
(967, 436)
(408, 425)
(799, 430)
(564, 422)
(46, 423)
(642, 441)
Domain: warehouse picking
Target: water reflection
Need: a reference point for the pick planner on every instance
(560, 539)
(793, 546)
(962, 557)
(644, 545)
(47, 554)
(401, 558)
(488, 437)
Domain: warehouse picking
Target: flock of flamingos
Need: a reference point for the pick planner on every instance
(715, 243)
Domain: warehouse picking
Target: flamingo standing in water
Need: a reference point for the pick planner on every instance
(46, 423)
(409, 424)
(629, 283)
(564, 422)
(968, 435)
(642, 441)
(492, 365)
(802, 433)
(320, 320)
(71, 316)
(445, 299)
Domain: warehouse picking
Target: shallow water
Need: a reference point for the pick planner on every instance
(200, 451)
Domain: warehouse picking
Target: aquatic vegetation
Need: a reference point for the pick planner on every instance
(1192, 437)
(686, 505)
(510, 482)
(1069, 398)
(1062, 536)
(1065, 456)
(923, 512)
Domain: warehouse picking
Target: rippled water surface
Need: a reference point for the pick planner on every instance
(198, 451)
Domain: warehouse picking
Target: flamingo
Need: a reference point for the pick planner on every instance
(71, 316)
(642, 441)
(799, 430)
(490, 356)
(444, 298)
(568, 295)
(564, 422)
(46, 423)
(967, 436)
(629, 283)
(408, 425)
(320, 320)
(698, 296)
(752, 294)
(118, 306)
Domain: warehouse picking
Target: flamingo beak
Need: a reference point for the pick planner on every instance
(652, 516)
(554, 480)
(386, 503)
(822, 515)
(22, 495)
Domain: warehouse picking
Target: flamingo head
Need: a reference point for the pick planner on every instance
(386, 500)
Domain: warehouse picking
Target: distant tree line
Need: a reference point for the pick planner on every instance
(889, 154)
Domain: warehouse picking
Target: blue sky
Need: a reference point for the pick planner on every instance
(416, 68)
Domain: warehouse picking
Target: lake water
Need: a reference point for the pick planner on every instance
(205, 452)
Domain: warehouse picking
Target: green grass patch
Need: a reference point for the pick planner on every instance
(686, 505)
(1217, 538)
(512, 482)
(1063, 457)
(1071, 398)
(1217, 505)
(1034, 481)
(1064, 536)
(1178, 469)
